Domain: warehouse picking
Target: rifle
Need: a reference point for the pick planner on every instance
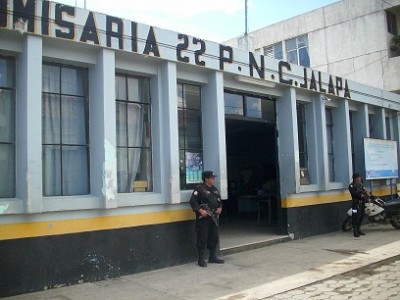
(363, 191)
(209, 213)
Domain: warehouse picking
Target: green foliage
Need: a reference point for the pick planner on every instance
(395, 44)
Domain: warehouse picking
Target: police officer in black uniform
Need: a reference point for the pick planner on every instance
(206, 229)
(360, 196)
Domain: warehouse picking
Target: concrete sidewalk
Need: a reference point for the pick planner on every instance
(255, 274)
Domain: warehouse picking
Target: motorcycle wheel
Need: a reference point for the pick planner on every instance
(347, 224)
(395, 221)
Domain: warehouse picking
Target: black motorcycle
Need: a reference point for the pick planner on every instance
(378, 211)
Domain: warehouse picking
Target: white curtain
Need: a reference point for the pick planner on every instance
(7, 150)
(75, 170)
(65, 154)
(132, 140)
(51, 171)
(135, 132)
(51, 131)
(7, 171)
(51, 79)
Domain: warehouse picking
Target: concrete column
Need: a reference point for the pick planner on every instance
(360, 131)
(102, 129)
(166, 83)
(288, 143)
(342, 142)
(322, 155)
(312, 144)
(380, 124)
(29, 124)
(214, 142)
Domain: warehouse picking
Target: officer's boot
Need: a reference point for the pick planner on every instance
(359, 230)
(201, 262)
(355, 230)
(214, 258)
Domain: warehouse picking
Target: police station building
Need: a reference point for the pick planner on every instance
(107, 124)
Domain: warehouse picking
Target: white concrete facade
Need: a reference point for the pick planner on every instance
(348, 38)
(31, 50)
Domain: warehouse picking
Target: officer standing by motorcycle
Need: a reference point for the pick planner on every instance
(207, 194)
(360, 196)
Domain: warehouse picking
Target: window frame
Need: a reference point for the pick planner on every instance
(391, 23)
(298, 48)
(272, 50)
(352, 144)
(331, 151)
(85, 99)
(150, 180)
(388, 128)
(13, 91)
(244, 97)
(182, 175)
(304, 170)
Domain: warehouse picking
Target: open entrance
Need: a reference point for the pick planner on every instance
(251, 210)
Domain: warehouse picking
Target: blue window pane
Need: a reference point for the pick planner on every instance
(233, 104)
(278, 51)
(304, 57)
(302, 41)
(292, 57)
(291, 45)
(253, 107)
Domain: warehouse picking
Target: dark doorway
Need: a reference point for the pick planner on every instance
(252, 171)
(251, 212)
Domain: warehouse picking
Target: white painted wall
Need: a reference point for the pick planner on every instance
(348, 38)
(31, 50)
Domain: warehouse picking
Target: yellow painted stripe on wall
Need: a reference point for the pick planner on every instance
(325, 199)
(36, 229)
(315, 200)
(383, 192)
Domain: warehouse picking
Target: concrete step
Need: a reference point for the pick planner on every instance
(254, 245)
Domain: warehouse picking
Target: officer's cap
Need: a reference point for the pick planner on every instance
(208, 174)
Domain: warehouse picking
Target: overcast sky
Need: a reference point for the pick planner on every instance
(216, 20)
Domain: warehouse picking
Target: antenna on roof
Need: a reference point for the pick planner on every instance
(84, 3)
(246, 28)
(244, 41)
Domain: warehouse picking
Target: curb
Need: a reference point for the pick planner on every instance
(353, 263)
(255, 245)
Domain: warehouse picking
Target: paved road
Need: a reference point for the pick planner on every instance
(380, 282)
